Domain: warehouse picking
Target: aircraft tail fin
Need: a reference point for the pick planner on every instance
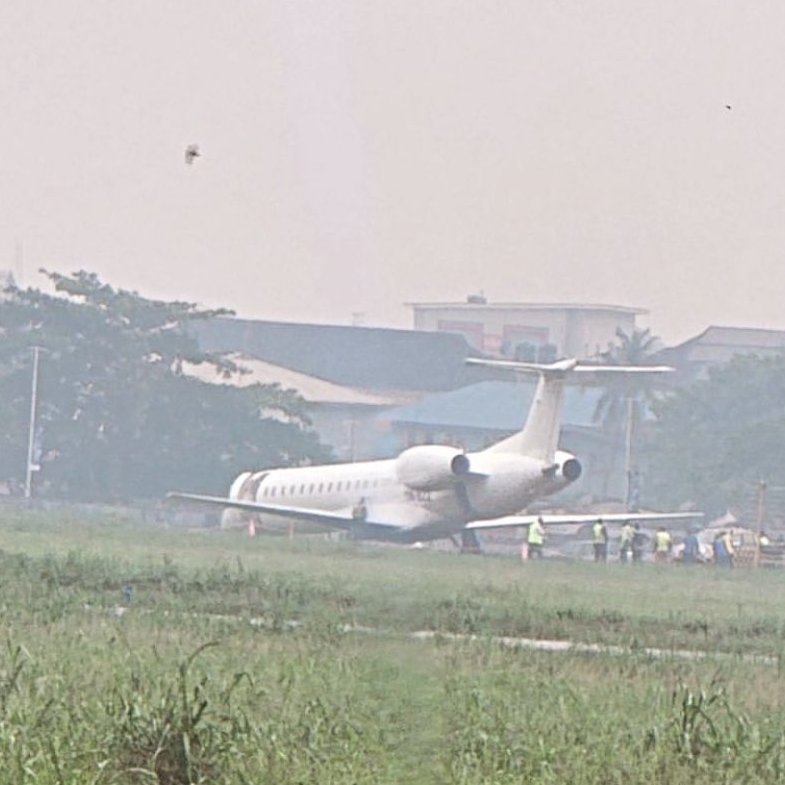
(540, 435)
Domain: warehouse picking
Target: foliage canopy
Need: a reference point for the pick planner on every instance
(715, 439)
(118, 418)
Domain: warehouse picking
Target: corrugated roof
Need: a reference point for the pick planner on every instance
(360, 357)
(311, 388)
(501, 406)
(718, 344)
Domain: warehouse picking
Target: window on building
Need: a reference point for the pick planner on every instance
(525, 352)
(547, 353)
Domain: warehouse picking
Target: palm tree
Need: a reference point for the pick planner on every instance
(621, 406)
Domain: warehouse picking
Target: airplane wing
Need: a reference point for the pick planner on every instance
(335, 520)
(548, 519)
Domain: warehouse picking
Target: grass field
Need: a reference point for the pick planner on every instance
(264, 661)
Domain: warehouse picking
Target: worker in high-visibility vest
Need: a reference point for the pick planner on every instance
(663, 543)
(536, 538)
(625, 542)
(599, 539)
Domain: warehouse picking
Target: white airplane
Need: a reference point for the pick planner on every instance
(432, 491)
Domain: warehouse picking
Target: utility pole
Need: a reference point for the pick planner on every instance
(628, 450)
(352, 435)
(761, 513)
(31, 467)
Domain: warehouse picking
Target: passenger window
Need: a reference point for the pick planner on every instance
(329, 487)
(338, 486)
(321, 486)
(272, 491)
(310, 490)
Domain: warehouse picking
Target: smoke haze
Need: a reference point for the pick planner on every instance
(356, 155)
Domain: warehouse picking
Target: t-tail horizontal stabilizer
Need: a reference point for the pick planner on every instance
(561, 367)
(540, 435)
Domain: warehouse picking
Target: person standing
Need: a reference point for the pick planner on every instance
(625, 542)
(691, 549)
(727, 541)
(536, 539)
(663, 543)
(638, 543)
(721, 558)
(599, 538)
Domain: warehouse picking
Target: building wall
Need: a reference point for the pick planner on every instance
(355, 433)
(575, 331)
(492, 330)
(590, 332)
(717, 346)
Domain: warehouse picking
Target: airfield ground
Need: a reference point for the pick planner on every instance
(264, 661)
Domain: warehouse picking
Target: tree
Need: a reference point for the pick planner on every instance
(621, 405)
(718, 437)
(119, 419)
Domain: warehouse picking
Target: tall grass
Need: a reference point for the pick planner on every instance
(236, 662)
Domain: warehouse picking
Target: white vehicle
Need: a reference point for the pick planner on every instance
(432, 491)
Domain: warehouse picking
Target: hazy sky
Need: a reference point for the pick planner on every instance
(362, 153)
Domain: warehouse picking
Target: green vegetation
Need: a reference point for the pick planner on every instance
(270, 661)
(118, 418)
(717, 438)
(624, 401)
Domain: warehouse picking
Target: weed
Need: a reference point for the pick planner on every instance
(9, 676)
(705, 730)
(85, 697)
(460, 614)
(166, 736)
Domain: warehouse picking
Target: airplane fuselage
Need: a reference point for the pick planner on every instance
(498, 484)
(428, 491)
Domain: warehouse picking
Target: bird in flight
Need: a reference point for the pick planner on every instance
(728, 107)
(191, 153)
